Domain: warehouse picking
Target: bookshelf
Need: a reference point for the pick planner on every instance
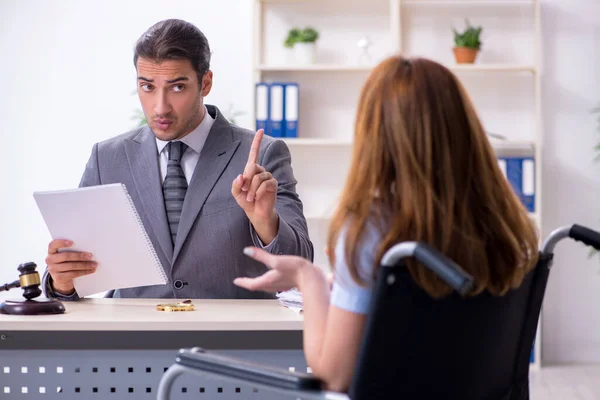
(504, 83)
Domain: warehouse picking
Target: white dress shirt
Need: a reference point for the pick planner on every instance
(194, 140)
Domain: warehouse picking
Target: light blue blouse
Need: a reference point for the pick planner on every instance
(346, 293)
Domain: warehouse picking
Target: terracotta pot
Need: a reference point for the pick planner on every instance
(465, 55)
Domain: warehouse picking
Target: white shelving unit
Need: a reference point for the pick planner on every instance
(504, 83)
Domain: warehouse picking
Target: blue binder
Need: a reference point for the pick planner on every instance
(276, 110)
(262, 106)
(520, 172)
(292, 100)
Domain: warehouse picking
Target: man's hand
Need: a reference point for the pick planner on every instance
(65, 266)
(256, 191)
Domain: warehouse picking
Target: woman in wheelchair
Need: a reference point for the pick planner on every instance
(422, 169)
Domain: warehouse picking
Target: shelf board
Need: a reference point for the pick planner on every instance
(501, 146)
(316, 68)
(322, 217)
(470, 3)
(317, 142)
(492, 68)
(481, 3)
(298, 1)
(286, 1)
(512, 144)
(508, 148)
(367, 68)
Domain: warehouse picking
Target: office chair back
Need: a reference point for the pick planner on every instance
(416, 347)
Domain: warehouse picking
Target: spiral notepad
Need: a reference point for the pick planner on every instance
(103, 220)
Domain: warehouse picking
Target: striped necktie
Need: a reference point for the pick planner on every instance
(174, 186)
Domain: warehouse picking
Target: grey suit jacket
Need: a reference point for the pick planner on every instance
(213, 231)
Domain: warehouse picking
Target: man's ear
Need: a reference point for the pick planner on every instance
(206, 83)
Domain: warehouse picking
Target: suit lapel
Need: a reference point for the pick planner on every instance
(214, 157)
(142, 156)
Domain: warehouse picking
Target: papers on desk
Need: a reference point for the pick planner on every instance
(291, 299)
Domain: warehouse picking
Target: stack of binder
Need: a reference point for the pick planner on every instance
(520, 173)
(277, 108)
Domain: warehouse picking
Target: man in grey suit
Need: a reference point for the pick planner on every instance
(204, 188)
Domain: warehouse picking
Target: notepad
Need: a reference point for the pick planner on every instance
(103, 220)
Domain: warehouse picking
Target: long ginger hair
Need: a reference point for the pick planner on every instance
(423, 169)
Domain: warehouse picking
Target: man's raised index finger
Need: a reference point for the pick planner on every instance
(255, 148)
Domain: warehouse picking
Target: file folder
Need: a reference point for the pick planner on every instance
(520, 172)
(276, 104)
(291, 110)
(262, 106)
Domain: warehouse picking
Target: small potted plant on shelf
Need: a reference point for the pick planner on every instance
(303, 41)
(467, 44)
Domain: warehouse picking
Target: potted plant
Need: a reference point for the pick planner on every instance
(231, 115)
(467, 44)
(303, 41)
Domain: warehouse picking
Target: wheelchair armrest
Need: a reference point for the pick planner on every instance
(246, 371)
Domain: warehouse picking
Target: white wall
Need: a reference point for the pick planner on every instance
(67, 79)
(571, 84)
(67, 82)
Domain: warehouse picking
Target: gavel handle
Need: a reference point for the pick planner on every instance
(8, 286)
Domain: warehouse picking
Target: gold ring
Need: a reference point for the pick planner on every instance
(181, 306)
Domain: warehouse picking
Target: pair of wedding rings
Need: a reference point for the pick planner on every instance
(185, 305)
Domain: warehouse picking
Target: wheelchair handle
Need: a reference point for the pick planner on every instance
(576, 232)
(588, 236)
(442, 266)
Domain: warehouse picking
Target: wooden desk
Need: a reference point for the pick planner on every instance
(124, 345)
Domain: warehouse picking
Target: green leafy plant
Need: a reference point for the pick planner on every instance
(297, 35)
(231, 114)
(470, 38)
(139, 117)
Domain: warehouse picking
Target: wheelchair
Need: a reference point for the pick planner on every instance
(417, 347)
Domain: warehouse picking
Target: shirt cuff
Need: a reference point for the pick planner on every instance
(258, 243)
(51, 293)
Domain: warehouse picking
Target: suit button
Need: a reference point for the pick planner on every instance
(178, 284)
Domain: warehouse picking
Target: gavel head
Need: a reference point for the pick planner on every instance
(30, 280)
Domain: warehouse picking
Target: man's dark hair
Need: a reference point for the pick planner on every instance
(174, 39)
